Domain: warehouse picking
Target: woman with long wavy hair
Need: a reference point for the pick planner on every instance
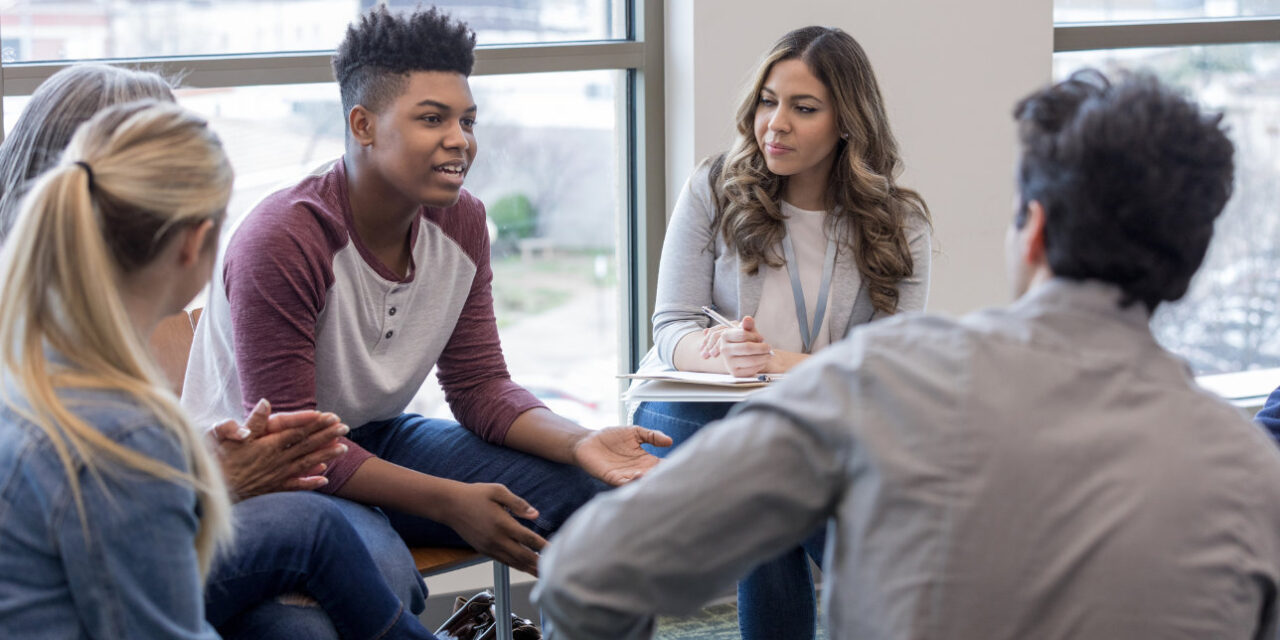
(798, 233)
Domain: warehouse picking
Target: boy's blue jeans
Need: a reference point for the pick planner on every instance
(440, 448)
(777, 599)
(445, 449)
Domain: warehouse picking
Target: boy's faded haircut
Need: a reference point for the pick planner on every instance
(381, 48)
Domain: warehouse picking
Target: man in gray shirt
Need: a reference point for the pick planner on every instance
(1040, 471)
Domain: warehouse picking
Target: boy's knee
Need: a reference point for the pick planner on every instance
(304, 514)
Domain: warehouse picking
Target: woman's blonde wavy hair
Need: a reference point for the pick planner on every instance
(156, 169)
(871, 209)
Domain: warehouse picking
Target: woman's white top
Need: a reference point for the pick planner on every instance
(776, 316)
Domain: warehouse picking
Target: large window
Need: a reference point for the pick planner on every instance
(562, 134)
(547, 170)
(1230, 319)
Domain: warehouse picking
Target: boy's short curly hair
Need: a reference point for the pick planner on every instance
(1132, 177)
(383, 47)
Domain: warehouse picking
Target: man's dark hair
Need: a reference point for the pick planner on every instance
(381, 48)
(1131, 177)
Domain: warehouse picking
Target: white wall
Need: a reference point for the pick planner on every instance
(950, 73)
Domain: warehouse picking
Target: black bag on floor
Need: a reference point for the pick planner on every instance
(476, 619)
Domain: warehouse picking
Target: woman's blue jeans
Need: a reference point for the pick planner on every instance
(777, 599)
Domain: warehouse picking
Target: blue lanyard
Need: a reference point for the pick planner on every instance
(807, 335)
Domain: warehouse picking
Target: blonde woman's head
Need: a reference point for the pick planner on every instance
(136, 182)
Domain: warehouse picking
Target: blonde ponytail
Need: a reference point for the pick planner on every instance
(130, 176)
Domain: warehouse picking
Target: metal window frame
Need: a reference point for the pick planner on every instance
(1169, 33)
(213, 72)
(648, 219)
(639, 55)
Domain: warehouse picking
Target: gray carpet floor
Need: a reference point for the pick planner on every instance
(717, 622)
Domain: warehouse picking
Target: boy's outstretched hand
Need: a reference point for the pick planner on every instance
(614, 455)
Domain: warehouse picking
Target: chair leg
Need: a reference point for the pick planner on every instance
(502, 599)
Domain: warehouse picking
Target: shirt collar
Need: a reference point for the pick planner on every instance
(1089, 296)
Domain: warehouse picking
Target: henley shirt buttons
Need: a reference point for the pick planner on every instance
(389, 334)
(392, 311)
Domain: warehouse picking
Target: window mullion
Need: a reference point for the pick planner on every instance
(1120, 35)
(211, 72)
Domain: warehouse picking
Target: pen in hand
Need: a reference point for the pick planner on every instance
(711, 313)
(719, 319)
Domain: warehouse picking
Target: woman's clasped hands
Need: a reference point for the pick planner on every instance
(740, 348)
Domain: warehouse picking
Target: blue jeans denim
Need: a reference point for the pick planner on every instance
(777, 599)
(445, 449)
(342, 554)
(680, 420)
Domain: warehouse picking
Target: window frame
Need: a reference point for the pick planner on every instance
(1069, 36)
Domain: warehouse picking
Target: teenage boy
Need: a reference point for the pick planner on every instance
(344, 291)
(1041, 471)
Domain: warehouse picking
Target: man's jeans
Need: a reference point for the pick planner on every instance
(445, 449)
(777, 599)
(343, 554)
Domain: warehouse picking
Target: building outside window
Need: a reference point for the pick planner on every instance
(1225, 54)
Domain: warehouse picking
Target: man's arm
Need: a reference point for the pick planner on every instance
(738, 493)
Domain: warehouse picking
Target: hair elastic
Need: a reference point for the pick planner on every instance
(85, 165)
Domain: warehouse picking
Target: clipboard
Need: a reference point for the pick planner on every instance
(699, 378)
(691, 386)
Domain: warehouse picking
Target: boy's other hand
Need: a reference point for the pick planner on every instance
(484, 514)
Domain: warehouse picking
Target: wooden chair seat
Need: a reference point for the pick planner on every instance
(171, 347)
(436, 560)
